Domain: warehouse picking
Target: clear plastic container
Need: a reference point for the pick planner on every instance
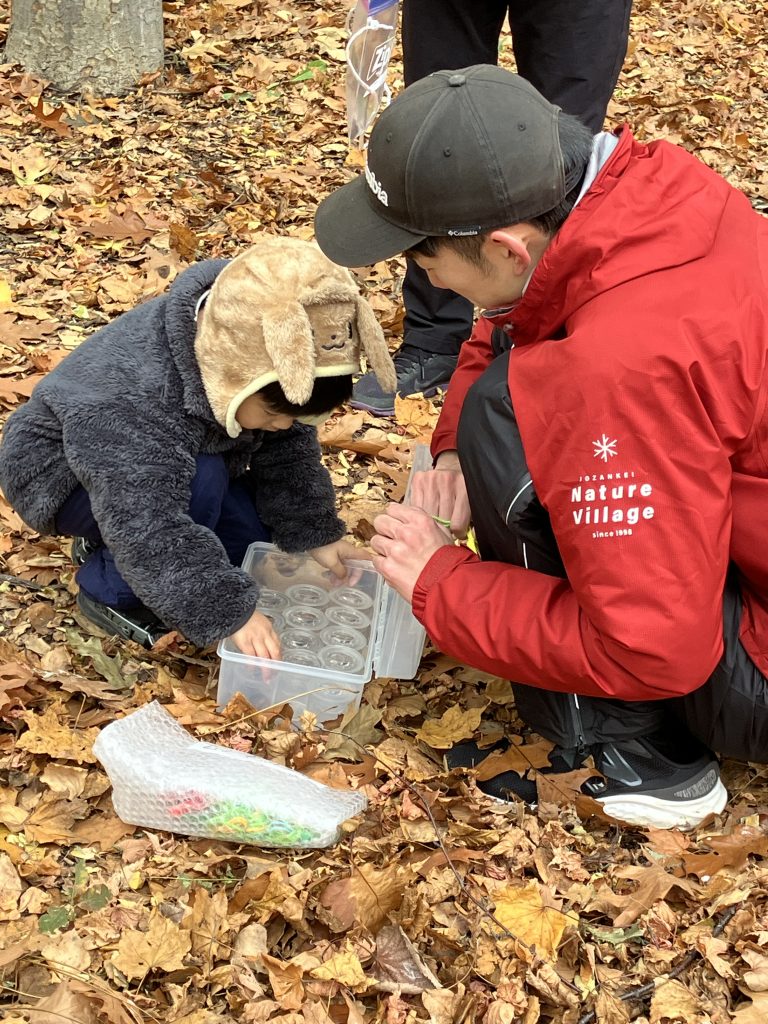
(393, 639)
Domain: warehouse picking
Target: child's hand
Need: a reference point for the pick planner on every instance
(331, 556)
(258, 638)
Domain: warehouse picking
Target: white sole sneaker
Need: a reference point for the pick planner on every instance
(652, 812)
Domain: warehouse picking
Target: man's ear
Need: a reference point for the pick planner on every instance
(512, 241)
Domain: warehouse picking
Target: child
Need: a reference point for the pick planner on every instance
(183, 431)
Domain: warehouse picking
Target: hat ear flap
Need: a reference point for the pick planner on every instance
(375, 347)
(290, 346)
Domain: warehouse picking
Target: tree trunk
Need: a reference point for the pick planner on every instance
(98, 46)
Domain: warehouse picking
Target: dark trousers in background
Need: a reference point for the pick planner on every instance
(570, 50)
(223, 505)
(729, 712)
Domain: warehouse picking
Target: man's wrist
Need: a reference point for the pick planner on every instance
(448, 460)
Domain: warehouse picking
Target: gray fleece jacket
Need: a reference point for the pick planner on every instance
(125, 415)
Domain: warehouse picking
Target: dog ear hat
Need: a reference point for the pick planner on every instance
(282, 311)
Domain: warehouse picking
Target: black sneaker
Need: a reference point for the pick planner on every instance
(643, 785)
(137, 624)
(81, 550)
(417, 371)
(509, 785)
(648, 783)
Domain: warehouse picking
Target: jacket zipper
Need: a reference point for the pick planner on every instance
(577, 724)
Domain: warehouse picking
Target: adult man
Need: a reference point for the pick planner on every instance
(572, 53)
(606, 426)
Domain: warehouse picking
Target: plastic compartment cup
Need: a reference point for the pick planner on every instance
(271, 601)
(302, 657)
(305, 616)
(298, 640)
(342, 616)
(307, 594)
(341, 659)
(351, 597)
(343, 636)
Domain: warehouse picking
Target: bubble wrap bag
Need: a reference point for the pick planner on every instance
(164, 778)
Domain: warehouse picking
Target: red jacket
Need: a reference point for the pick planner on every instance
(639, 380)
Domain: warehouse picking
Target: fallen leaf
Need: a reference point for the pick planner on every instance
(163, 946)
(454, 725)
(397, 965)
(10, 889)
(673, 1002)
(366, 897)
(46, 734)
(345, 968)
(524, 912)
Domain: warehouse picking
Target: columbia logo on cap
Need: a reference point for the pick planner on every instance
(375, 186)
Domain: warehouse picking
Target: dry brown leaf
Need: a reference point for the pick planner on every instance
(442, 1003)
(163, 946)
(65, 780)
(609, 1009)
(11, 888)
(532, 918)
(514, 759)
(286, 981)
(454, 725)
(756, 978)
(672, 1002)
(345, 968)
(755, 1012)
(48, 735)
(65, 1003)
(397, 966)
(366, 897)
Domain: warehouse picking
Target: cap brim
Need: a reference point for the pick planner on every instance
(350, 231)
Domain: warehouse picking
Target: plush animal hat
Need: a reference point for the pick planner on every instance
(283, 312)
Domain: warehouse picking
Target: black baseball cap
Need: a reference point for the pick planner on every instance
(457, 153)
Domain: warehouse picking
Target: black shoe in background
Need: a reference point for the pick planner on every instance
(417, 371)
(137, 624)
(82, 550)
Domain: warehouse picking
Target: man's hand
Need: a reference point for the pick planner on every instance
(258, 638)
(333, 556)
(406, 538)
(442, 492)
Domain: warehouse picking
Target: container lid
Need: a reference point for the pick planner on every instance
(400, 636)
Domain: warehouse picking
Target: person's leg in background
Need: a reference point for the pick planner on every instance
(437, 34)
(216, 502)
(573, 54)
(655, 773)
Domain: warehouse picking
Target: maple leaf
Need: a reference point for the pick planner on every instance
(453, 726)
(48, 735)
(526, 914)
(163, 946)
(345, 968)
(366, 897)
(286, 981)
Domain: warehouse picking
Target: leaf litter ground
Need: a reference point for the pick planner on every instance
(440, 905)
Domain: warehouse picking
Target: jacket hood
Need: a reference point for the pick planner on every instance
(282, 311)
(180, 304)
(658, 196)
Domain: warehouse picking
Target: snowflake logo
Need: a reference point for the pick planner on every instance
(604, 449)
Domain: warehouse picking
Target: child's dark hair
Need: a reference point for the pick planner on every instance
(576, 147)
(328, 393)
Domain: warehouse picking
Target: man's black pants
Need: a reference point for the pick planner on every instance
(570, 50)
(729, 712)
